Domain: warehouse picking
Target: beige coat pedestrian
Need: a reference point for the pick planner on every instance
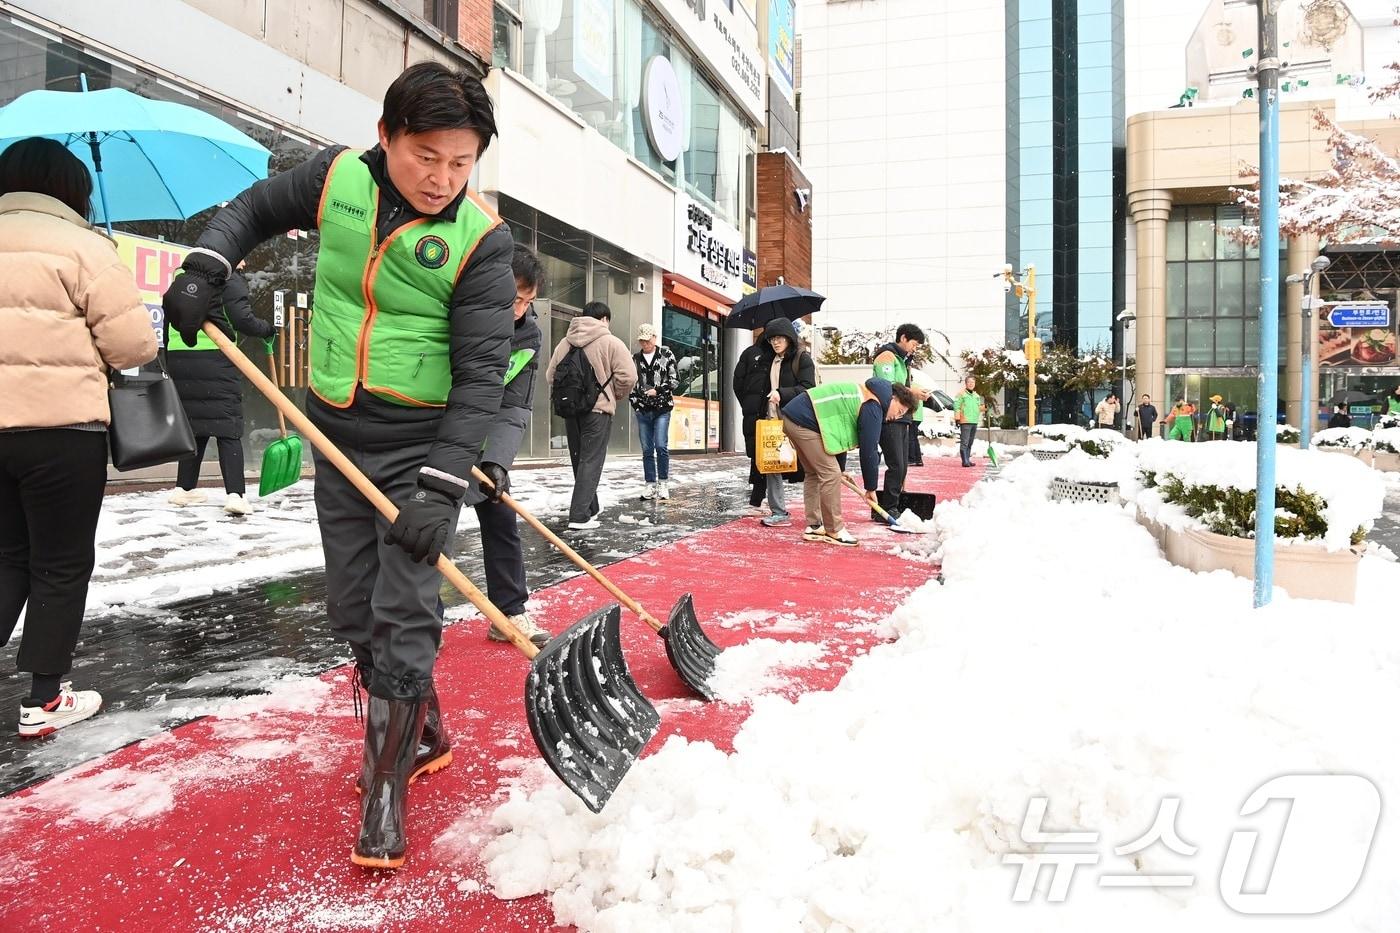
(69, 310)
(610, 358)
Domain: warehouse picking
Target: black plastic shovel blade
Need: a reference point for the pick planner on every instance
(691, 652)
(587, 716)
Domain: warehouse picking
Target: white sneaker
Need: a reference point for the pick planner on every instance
(184, 497)
(540, 637)
(649, 492)
(67, 708)
(585, 526)
(663, 490)
(237, 505)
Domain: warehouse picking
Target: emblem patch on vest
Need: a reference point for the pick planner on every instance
(431, 252)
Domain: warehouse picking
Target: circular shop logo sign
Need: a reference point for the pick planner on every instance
(431, 252)
(661, 102)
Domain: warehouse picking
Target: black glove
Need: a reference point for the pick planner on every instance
(423, 525)
(499, 477)
(193, 292)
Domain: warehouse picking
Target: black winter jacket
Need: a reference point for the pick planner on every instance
(480, 319)
(211, 390)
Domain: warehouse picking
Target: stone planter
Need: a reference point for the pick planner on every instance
(1364, 454)
(1048, 454)
(1385, 460)
(1063, 490)
(1303, 571)
(1008, 436)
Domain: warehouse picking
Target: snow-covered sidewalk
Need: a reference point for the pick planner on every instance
(1064, 660)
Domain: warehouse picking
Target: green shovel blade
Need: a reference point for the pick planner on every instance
(281, 465)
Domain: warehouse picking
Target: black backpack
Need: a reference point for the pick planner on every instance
(575, 390)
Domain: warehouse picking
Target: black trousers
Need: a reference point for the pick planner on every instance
(894, 442)
(758, 483)
(588, 449)
(378, 599)
(230, 464)
(916, 453)
(503, 556)
(51, 484)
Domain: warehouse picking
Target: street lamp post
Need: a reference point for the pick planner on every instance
(1127, 319)
(1319, 265)
(1266, 399)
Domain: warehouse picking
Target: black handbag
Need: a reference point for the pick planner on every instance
(148, 421)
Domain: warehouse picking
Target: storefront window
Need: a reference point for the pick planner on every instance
(695, 423)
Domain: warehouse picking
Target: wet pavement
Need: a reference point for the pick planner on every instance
(159, 666)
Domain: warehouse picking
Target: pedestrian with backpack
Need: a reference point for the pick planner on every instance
(588, 372)
(652, 401)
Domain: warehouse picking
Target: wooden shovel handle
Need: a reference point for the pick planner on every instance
(367, 489)
(276, 384)
(572, 555)
(845, 478)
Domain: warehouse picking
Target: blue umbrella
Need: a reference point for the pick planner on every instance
(167, 161)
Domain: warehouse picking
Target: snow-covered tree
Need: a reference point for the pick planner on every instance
(1358, 198)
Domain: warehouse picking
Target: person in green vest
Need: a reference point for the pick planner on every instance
(968, 410)
(1215, 418)
(1181, 423)
(1392, 404)
(410, 344)
(892, 363)
(824, 423)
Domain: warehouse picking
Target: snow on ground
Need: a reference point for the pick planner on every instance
(150, 553)
(112, 796)
(1065, 660)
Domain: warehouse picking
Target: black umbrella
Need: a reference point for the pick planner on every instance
(1350, 396)
(754, 311)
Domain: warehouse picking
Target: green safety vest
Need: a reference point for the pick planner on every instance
(1393, 404)
(897, 373)
(837, 406)
(381, 317)
(970, 404)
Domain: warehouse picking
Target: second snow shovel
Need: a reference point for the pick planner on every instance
(892, 522)
(991, 450)
(689, 649)
(281, 462)
(588, 719)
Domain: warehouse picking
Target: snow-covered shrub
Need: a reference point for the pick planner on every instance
(1387, 422)
(1058, 432)
(1354, 438)
(931, 428)
(1287, 434)
(1093, 447)
(1320, 499)
(1387, 440)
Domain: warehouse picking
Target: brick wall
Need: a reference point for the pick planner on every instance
(784, 232)
(474, 27)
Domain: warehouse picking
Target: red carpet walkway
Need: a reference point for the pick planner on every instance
(245, 822)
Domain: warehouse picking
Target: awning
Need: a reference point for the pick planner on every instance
(688, 298)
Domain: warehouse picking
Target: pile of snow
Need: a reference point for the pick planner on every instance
(898, 800)
(1353, 492)
(1355, 438)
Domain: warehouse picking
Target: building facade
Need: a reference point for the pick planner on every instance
(1194, 287)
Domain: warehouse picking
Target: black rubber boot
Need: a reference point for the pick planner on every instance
(393, 729)
(434, 749)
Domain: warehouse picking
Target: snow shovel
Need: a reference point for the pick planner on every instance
(588, 719)
(689, 649)
(991, 451)
(893, 523)
(281, 462)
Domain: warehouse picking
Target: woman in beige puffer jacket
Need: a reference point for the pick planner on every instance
(69, 310)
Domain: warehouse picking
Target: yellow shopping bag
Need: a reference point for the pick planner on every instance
(773, 452)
